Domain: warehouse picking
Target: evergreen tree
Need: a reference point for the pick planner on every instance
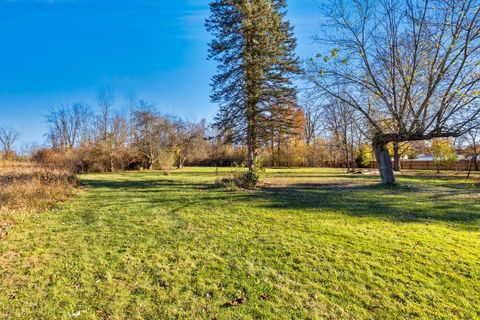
(254, 47)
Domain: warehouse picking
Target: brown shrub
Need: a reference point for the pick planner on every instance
(27, 186)
(68, 159)
(90, 158)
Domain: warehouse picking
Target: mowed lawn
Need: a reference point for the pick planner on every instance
(312, 244)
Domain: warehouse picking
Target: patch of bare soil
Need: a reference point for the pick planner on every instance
(311, 184)
(236, 302)
(363, 172)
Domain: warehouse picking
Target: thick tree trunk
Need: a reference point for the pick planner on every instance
(251, 157)
(397, 167)
(384, 162)
(251, 145)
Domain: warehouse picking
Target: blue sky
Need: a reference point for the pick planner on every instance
(62, 51)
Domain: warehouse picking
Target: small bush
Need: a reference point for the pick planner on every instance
(251, 178)
(242, 178)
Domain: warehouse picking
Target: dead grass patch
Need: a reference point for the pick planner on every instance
(27, 187)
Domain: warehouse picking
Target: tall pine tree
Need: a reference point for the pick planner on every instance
(255, 50)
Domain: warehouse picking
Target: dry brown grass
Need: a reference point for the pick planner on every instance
(28, 187)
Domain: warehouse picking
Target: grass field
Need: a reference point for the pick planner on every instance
(313, 244)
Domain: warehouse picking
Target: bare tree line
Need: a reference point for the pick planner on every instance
(111, 140)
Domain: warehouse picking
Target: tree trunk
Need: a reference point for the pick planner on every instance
(347, 156)
(396, 157)
(470, 169)
(279, 155)
(251, 151)
(273, 151)
(251, 137)
(384, 162)
(112, 165)
(250, 157)
(150, 163)
(181, 163)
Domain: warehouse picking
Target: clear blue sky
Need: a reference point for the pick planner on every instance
(62, 51)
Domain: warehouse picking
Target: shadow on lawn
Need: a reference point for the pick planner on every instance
(405, 180)
(401, 203)
(144, 185)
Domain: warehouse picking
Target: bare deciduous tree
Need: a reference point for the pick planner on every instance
(411, 68)
(187, 139)
(105, 101)
(68, 125)
(313, 120)
(152, 134)
(8, 137)
(339, 120)
(114, 147)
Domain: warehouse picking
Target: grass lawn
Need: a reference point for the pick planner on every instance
(313, 244)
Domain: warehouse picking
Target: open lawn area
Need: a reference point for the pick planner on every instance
(311, 244)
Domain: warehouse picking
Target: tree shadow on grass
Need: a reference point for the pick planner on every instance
(425, 179)
(148, 194)
(144, 185)
(401, 203)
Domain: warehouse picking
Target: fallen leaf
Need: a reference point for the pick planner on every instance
(236, 302)
(264, 297)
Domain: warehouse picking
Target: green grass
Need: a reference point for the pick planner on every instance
(313, 244)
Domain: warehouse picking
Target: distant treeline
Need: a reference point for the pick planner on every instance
(110, 136)
(105, 139)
